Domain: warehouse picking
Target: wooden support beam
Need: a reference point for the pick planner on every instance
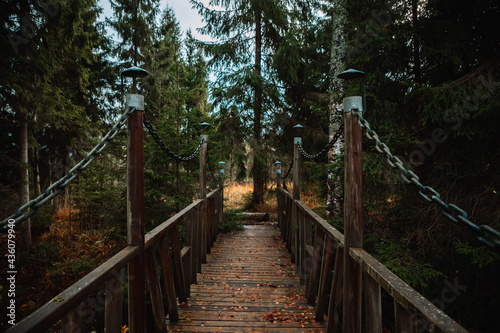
(160, 323)
(353, 215)
(295, 226)
(404, 323)
(336, 292)
(203, 196)
(114, 305)
(312, 290)
(73, 321)
(135, 215)
(373, 305)
(189, 261)
(179, 269)
(326, 270)
(168, 279)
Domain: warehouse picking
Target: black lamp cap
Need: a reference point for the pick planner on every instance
(135, 72)
(351, 74)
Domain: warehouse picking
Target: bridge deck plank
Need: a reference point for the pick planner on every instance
(248, 285)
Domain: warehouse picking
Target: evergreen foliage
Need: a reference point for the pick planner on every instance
(246, 34)
(433, 73)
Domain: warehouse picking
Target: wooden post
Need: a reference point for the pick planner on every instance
(312, 290)
(221, 203)
(188, 260)
(160, 323)
(203, 196)
(279, 200)
(326, 270)
(179, 269)
(168, 279)
(373, 305)
(135, 215)
(404, 321)
(296, 239)
(73, 321)
(114, 303)
(353, 214)
(336, 291)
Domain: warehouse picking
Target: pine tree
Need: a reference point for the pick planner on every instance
(176, 105)
(243, 30)
(47, 93)
(134, 21)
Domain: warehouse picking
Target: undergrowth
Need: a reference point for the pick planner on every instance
(231, 221)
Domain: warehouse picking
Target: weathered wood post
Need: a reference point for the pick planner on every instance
(353, 214)
(296, 232)
(135, 215)
(278, 196)
(221, 197)
(203, 196)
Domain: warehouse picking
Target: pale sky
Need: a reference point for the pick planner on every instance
(187, 17)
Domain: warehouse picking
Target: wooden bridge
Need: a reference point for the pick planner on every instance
(304, 276)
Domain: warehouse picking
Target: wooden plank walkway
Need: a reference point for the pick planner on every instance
(248, 285)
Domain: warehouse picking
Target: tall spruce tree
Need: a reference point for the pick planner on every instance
(243, 30)
(134, 21)
(176, 104)
(43, 106)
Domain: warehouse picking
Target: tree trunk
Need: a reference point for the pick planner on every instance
(337, 65)
(38, 189)
(258, 184)
(24, 189)
(178, 133)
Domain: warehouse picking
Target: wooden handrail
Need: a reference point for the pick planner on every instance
(321, 223)
(183, 259)
(70, 298)
(160, 231)
(411, 308)
(405, 295)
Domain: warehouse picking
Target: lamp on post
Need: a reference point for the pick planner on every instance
(204, 127)
(221, 167)
(298, 134)
(221, 173)
(352, 74)
(132, 72)
(278, 167)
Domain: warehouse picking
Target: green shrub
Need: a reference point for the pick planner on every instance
(231, 221)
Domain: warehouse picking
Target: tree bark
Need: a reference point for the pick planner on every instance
(258, 184)
(24, 189)
(337, 65)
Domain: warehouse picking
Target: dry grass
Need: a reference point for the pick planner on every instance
(237, 195)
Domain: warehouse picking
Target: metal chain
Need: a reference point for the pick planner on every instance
(289, 169)
(452, 212)
(52, 191)
(327, 148)
(155, 136)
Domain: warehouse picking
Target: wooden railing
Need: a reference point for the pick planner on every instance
(321, 266)
(179, 266)
(103, 288)
(323, 254)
